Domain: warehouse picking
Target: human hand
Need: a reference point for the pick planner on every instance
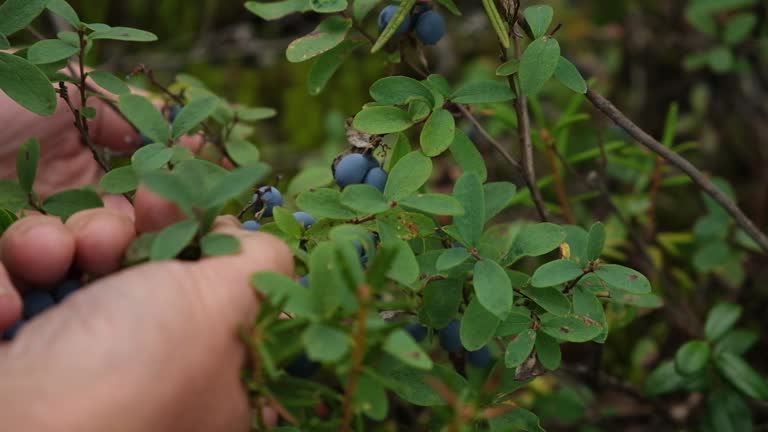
(150, 348)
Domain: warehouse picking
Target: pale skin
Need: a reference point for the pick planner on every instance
(150, 348)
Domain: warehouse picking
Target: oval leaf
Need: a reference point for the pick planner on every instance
(328, 34)
(26, 84)
(538, 64)
(493, 288)
(438, 133)
(408, 176)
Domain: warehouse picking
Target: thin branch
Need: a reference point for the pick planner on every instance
(560, 189)
(487, 136)
(79, 124)
(358, 356)
(621, 120)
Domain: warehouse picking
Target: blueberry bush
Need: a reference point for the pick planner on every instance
(414, 307)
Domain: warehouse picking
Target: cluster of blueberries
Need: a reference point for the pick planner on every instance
(426, 24)
(450, 341)
(356, 168)
(37, 301)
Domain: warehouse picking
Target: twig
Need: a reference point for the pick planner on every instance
(562, 193)
(36, 206)
(604, 105)
(80, 125)
(487, 136)
(358, 355)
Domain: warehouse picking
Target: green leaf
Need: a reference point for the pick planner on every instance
(327, 64)
(556, 273)
(310, 178)
(538, 64)
(325, 344)
(405, 268)
(15, 15)
(27, 159)
(170, 187)
(539, 19)
(739, 28)
(147, 119)
(7, 218)
(402, 13)
(595, 241)
(736, 341)
(4, 43)
(242, 152)
(193, 114)
(402, 346)
(536, 240)
(451, 6)
(567, 74)
(25, 83)
(380, 120)
(469, 192)
(519, 319)
(370, 398)
(173, 239)
(624, 278)
(276, 10)
(498, 196)
(361, 8)
(741, 375)
(493, 288)
(498, 23)
(664, 379)
(219, 244)
(548, 351)
(519, 348)
(407, 176)
(585, 303)
(509, 68)
(324, 203)
(466, 155)
(123, 34)
(399, 90)
(720, 319)
(327, 291)
(364, 198)
(234, 184)
(478, 326)
(451, 258)
(519, 419)
(65, 204)
(441, 300)
(252, 114)
(50, 50)
(726, 411)
(120, 180)
(109, 82)
(438, 133)
(328, 6)
(436, 204)
(412, 384)
(286, 222)
(327, 35)
(282, 290)
(692, 358)
(64, 10)
(488, 91)
(571, 328)
(551, 299)
(12, 196)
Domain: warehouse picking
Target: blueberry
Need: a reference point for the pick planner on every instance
(377, 178)
(372, 162)
(351, 169)
(66, 288)
(386, 16)
(359, 247)
(251, 225)
(304, 281)
(449, 337)
(430, 27)
(36, 302)
(305, 219)
(479, 358)
(302, 367)
(271, 197)
(11, 331)
(418, 332)
(174, 112)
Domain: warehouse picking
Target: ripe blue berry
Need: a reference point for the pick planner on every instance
(449, 337)
(418, 332)
(430, 27)
(174, 112)
(377, 178)
(304, 281)
(11, 331)
(36, 302)
(386, 16)
(302, 367)
(66, 288)
(251, 225)
(479, 358)
(271, 197)
(305, 219)
(351, 169)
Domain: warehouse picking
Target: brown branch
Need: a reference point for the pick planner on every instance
(557, 177)
(358, 355)
(487, 136)
(80, 125)
(621, 120)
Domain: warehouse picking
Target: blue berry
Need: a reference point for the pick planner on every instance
(302, 367)
(35, 302)
(351, 169)
(418, 332)
(11, 331)
(304, 281)
(271, 197)
(377, 178)
(479, 358)
(359, 246)
(174, 112)
(372, 162)
(305, 219)
(64, 289)
(386, 16)
(430, 27)
(449, 337)
(251, 225)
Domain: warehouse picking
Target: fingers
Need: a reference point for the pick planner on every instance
(101, 238)
(38, 250)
